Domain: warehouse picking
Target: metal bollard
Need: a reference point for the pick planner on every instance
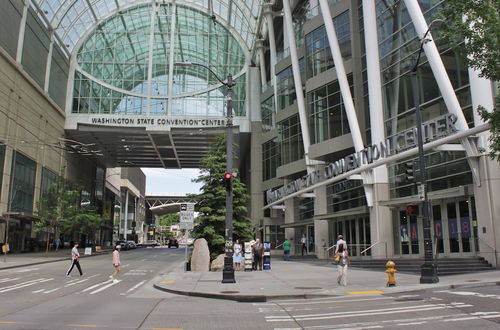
(390, 265)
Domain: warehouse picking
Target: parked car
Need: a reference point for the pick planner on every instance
(131, 245)
(173, 242)
(150, 242)
(123, 244)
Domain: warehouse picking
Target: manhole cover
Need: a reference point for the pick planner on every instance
(472, 281)
(229, 292)
(308, 287)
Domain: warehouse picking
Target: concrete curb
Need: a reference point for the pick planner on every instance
(50, 261)
(243, 297)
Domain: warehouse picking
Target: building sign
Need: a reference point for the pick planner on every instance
(152, 121)
(431, 130)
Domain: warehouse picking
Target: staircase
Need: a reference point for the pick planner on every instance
(446, 266)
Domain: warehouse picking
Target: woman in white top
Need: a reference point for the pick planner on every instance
(237, 256)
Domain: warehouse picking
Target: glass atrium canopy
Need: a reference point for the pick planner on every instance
(71, 19)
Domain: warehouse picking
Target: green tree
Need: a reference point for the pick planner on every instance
(59, 210)
(478, 23)
(211, 202)
(168, 220)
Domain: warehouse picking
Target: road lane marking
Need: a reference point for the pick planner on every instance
(7, 322)
(75, 283)
(168, 329)
(8, 279)
(308, 302)
(53, 290)
(105, 287)
(365, 292)
(371, 312)
(38, 291)
(26, 270)
(166, 282)
(24, 284)
(96, 285)
(135, 286)
(83, 325)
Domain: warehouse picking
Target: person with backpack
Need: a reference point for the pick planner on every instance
(342, 259)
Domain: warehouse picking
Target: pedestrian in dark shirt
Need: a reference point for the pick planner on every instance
(258, 250)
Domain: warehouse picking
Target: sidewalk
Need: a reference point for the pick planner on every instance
(16, 260)
(299, 279)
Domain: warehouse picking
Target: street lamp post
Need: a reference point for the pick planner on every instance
(428, 271)
(228, 271)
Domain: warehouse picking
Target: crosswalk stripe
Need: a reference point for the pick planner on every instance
(135, 286)
(105, 287)
(25, 284)
(3, 280)
(95, 286)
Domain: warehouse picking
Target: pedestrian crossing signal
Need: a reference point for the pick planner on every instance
(227, 180)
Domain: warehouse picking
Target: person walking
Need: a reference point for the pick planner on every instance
(340, 242)
(237, 256)
(75, 260)
(58, 243)
(258, 250)
(303, 243)
(116, 263)
(343, 258)
(286, 250)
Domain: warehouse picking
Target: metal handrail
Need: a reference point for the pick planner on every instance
(376, 243)
(491, 247)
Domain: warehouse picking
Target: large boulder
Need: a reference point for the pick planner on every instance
(200, 259)
(217, 263)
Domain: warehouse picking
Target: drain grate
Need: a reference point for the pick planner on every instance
(307, 288)
(229, 292)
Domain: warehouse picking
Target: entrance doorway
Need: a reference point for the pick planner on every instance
(356, 232)
(453, 229)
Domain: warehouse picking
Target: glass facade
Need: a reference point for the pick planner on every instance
(345, 195)
(286, 86)
(327, 112)
(23, 184)
(290, 137)
(124, 65)
(270, 159)
(267, 114)
(319, 56)
(48, 179)
(399, 46)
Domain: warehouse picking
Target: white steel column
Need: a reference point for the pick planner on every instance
(268, 13)
(486, 195)
(171, 58)
(49, 63)
(22, 29)
(352, 118)
(342, 77)
(381, 229)
(262, 61)
(154, 9)
(298, 83)
(443, 81)
(125, 220)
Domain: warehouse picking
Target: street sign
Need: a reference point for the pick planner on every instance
(186, 216)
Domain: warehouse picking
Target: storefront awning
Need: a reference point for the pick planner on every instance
(433, 195)
(296, 224)
(347, 213)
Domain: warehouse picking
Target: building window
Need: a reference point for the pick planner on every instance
(290, 136)
(345, 195)
(318, 54)
(23, 184)
(328, 118)
(270, 159)
(305, 208)
(274, 234)
(286, 86)
(48, 179)
(267, 112)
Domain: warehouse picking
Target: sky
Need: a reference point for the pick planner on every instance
(173, 181)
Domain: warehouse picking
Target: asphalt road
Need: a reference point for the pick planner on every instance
(41, 297)
(472, 308)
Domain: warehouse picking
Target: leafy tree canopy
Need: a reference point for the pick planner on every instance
(478, 23)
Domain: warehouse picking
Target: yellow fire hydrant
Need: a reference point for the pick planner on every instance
(390, 273)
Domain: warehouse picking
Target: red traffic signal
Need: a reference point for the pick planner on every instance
(228, 176)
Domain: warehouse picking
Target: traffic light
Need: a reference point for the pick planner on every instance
(409, 171)
(227, 180)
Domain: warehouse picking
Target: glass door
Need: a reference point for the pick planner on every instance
(458, 233)
(310, 239)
